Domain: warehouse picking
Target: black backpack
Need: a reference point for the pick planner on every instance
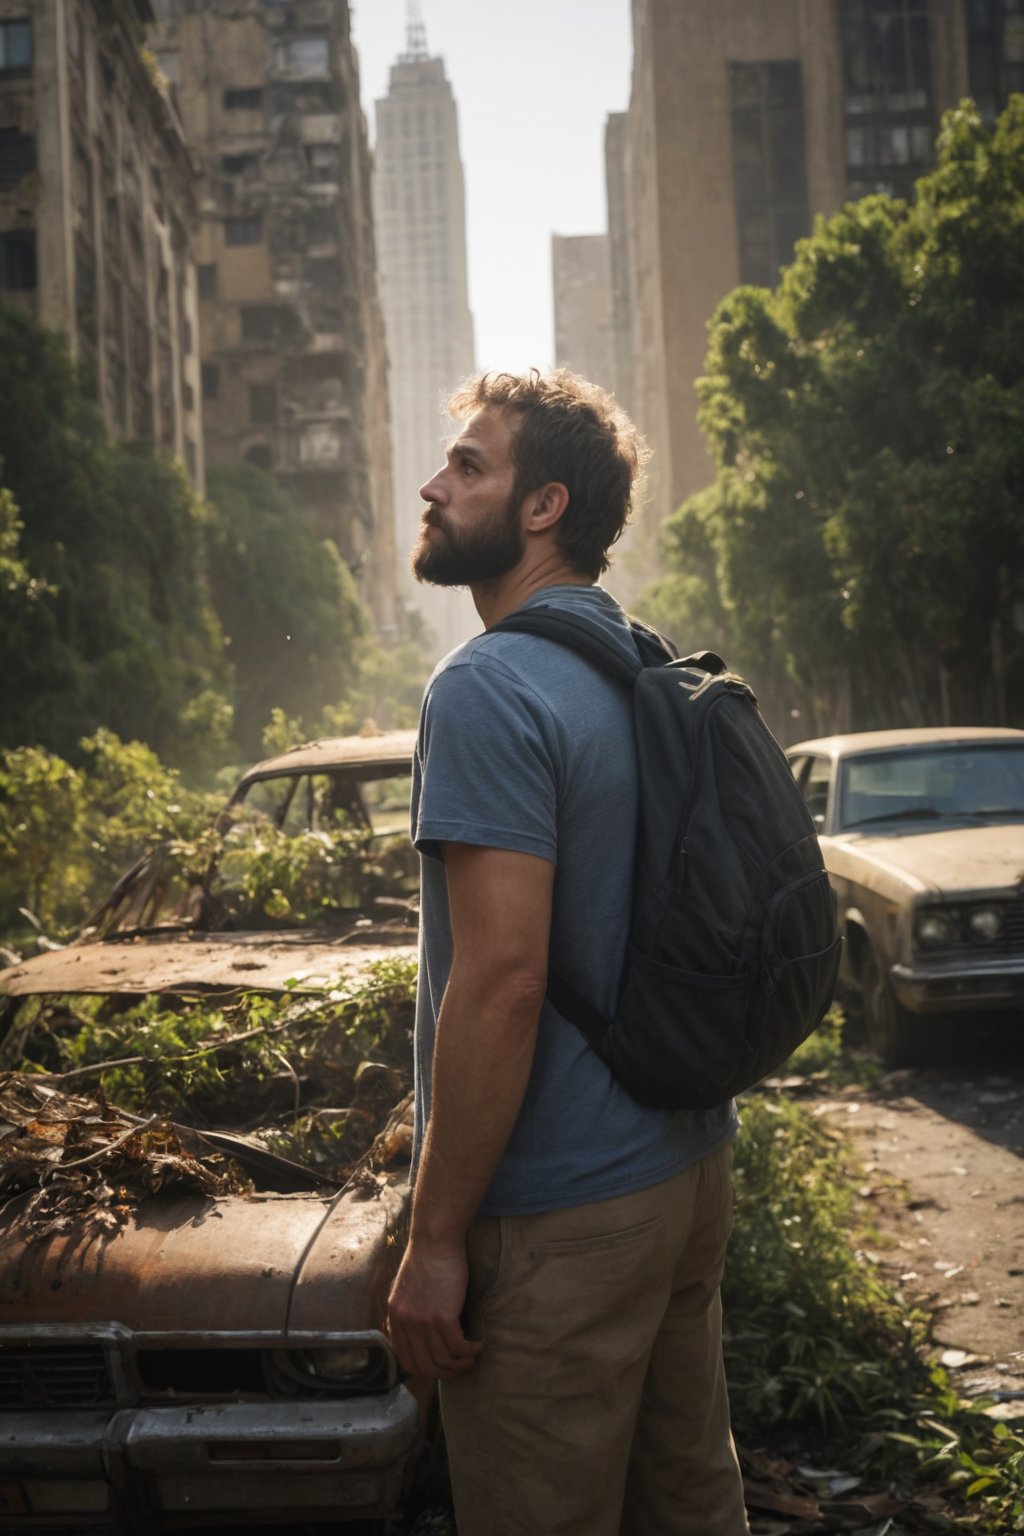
(733, 945)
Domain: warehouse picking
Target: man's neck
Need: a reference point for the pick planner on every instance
(494, 600)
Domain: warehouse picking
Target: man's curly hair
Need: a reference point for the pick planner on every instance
(573, 432)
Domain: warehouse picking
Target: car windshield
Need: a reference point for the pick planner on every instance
(980, 780)
(308, 850)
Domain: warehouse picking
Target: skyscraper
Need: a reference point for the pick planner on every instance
(420, 217)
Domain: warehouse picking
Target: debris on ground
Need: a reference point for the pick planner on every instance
(88, 1163)
(85, 1163)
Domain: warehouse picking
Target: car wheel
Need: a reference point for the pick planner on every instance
(893, 1034)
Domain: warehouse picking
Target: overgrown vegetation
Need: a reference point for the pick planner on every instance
(860, 551)
(131, 605)
(819, 1348)
(66, 833)
(314, 1074)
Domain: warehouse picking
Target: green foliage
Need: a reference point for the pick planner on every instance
(301, 880)
(67, 833)
(813, 1335)
(818, 1343)
(863, 537)
(286, 600)
(119, 630)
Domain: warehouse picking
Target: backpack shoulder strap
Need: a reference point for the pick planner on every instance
(576, 632)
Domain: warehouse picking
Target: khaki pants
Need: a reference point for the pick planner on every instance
(598, 1405)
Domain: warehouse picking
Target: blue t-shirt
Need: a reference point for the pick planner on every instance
(527, 746)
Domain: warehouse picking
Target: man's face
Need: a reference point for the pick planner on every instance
(472, 531)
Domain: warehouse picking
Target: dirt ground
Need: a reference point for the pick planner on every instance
(943, 1156)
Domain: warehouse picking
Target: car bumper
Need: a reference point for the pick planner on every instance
(998, 985)
(139, 1469)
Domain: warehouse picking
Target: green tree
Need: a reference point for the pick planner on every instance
(114, 626)
(286, 600)
(864, 534)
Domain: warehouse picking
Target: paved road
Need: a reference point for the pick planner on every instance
(953, 1134)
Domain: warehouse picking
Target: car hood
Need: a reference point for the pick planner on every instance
(233, 1263)
(967, 857)
(185, 963)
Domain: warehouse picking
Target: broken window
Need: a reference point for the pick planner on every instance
(18, 261)
(246, 99)
(769, 173)
(244, 231)
(15, 47)
(17, 156)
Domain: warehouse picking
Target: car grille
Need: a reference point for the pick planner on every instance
(55, 1376)
(1012, 936)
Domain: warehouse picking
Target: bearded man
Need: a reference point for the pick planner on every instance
(562, 1275)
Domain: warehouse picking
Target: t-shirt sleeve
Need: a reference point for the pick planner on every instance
(487, 764)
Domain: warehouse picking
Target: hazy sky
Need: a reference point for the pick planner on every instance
(534, 81)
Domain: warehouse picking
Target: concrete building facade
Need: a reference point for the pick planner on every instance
(420, 216)
(581, 284)
(294, 367)
(745, 121)
(97, 211)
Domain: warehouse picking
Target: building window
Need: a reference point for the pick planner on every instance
(260, 455)
(245, 231)
(17, 156)
(262, 404)
(206, 274)
(237, 165)
(15, 47)
(249, 99)
(888, 98)
(210, 378)
(266, 324)
(995, 52)
(305, 55)
(768, 166)
(18, 262)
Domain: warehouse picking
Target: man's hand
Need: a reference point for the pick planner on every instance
(424, 1309)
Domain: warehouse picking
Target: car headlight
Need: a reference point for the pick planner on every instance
(936, 928)
(355, 1367)
(985, 924)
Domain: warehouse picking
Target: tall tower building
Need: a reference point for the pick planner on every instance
(292, 337)
(420, 217)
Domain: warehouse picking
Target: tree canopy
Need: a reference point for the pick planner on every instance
(107, 618)
(862, 545)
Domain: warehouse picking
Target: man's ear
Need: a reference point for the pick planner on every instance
(545, 506)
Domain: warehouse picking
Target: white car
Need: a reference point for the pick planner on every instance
(922, 833)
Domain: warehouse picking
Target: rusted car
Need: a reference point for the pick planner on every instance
(922, 833)
(212, 1352)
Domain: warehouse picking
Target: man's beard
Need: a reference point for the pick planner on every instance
(449, 559)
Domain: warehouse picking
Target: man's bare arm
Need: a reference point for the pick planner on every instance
(500, 906)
